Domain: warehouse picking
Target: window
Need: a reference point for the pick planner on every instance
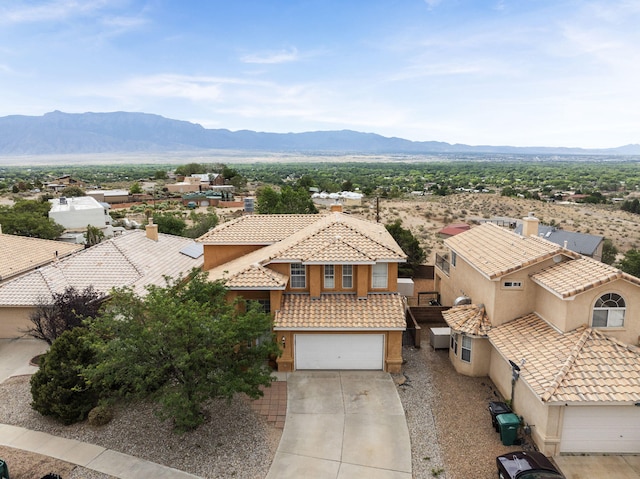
(454, 343)
(454, 258)
(298, 275)
(329, 276)
(379, 275)
(265, 304)
(512, 284)
(608, 311)
(465, 350)
(347, 276)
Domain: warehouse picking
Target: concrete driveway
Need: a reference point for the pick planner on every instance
(611, 467)
(15, 355)
(343, 425)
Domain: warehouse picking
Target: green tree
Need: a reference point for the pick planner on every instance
(170, 224)
(29, 218)
(609, 252)
(160, 175)
(66, 311)
(58, 388)
(93, 235)
(181, 345)
(191, 169)
(287, 201)
(201, 224)
(73, 191)
(631, 262)
(409, 244)
(135, 189)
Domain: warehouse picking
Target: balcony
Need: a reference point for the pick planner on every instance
(442, 263)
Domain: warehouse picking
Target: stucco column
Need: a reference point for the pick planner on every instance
(285, 342)
(393, 356)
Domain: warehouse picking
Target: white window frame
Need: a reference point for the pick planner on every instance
(298, 276)
(454, 343)
(380, 276)
(465, 349)
(610, 307)
(347, 276)
(329, 276)
(454, 258)
(512, 284)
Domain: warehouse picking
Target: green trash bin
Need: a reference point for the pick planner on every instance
(4, 470)
(508, 425)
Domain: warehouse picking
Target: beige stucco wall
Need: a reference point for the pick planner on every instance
(14, 320)
(545, 421)
(480, 358)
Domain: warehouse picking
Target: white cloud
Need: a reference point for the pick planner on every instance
(283, 56)
(50, 11)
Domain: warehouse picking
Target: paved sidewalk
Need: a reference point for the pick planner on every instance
(87, 455)
(343, 425)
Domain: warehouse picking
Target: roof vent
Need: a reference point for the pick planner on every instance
(461, 300)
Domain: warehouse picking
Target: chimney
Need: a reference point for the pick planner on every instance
(530, 225)
(336, 207)
(152, 230)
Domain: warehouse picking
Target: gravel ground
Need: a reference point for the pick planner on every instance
(449, 424)
(447, 417)
(235, 442)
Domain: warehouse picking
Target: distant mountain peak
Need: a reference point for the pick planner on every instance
(60, 133)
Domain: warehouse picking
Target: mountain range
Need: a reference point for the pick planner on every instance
(59, 133)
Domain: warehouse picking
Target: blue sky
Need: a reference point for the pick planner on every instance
(522, 72)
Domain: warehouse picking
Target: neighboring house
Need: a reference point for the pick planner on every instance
(195, 183)
(585, 244)
(111, 197)
(330, 282)
(452, 230)
(557, 332)
(20, 254)
(76, 213)
(62, 182)
(135, 259)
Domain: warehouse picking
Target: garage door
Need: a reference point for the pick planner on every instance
(607, 429)
(339, 351)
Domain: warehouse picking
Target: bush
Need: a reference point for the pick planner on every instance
(58, 388)
(100, 415)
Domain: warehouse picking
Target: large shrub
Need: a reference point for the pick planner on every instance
(58, 388)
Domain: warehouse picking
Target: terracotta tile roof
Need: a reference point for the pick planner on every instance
(496, 251)
(257, 229)
(19, 254)
(334, 238)
(256, 277)
(341, 311)
(341, 238)
(469, 319)
(583, 365)
(569, 278)
(128, 260)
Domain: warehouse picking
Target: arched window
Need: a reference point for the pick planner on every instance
(608, 312)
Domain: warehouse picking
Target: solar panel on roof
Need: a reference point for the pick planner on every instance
(194, 250)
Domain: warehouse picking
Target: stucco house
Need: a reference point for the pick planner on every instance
(76, 213)
(557, 332)
(135, 259)
(330, 282)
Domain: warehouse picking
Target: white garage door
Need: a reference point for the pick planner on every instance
(606, 429)
(339, 351)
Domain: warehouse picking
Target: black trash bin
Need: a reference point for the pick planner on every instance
(496, 408)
